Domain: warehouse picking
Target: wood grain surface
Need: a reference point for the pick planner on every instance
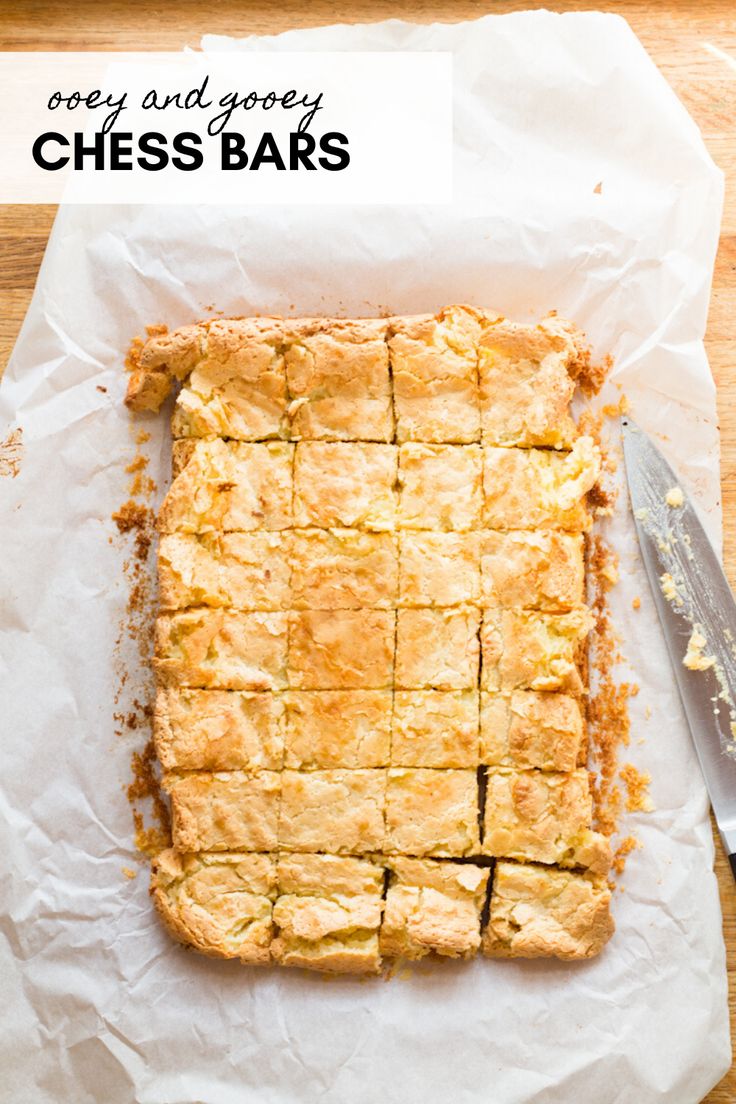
(693, 43)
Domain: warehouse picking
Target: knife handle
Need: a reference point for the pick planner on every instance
(732, 860)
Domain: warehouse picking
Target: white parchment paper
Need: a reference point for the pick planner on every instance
(98, 1004)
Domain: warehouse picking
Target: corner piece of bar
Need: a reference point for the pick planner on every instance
(164, 358)
(220, 904)
(539, 911)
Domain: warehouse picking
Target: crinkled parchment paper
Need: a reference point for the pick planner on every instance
(99, 1005)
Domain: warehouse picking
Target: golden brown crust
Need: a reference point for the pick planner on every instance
(527, 379)
(433, 907)
(434, 728)
(343, 569)
(440, 486)
(338, 380)
(530, 729)
(244, 571)
(439, 569)
(437, 648)
(530, 650)
(341, 649)
(434, 362)
(538, 488)
(237, 386)
(328, 913)
(538, 911)
(525, 569)
(227, 486)
(219, 904)
(341, 811)
(347, 484)
(540, 816)
(218, 730)
(432, 812)
(224, 811)
(337, 728)
(165, 357)
(221, 649)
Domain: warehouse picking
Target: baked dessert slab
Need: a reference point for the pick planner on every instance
(220, 904)
(219, 730)
(542, 816)
(244, 571)
(433, 906)
(343, 569)
(539, 911)
(327, 914)
(539, 488)
(437, 648)
(341, 649)
(338, 381)
(434, 362)
(221, 649)
(339, 811)
(349, 485)
(528, 729)
(225, 810)
(525, 649)
(439, 569)
(227, 486)
(337, 728)
(440, 486)
(527, 569)
(435, 728)
(372, 631)
(432, 812)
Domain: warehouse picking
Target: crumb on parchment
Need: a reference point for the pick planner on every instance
(636, 603)
(130, 873)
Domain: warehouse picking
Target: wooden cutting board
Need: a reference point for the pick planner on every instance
(693, 43)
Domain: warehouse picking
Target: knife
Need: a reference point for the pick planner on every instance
(698, 616)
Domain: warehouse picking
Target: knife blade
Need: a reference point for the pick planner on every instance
(697, 612)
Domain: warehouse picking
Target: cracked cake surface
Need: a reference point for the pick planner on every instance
(370, 650)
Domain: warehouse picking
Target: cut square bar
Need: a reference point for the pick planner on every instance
(343, 569)
(337, 728)
(349, 485)
(439, 569)
(246, 571)
(437, 649)
(527, 379)
(440, 486)
(433, 907)
(221, 649)
(432, 812)
(225, 811)
(338, 811)
(534, 651)
(532, 570)
(434, 362)
(219, 903)
(218, 730)
(328, 913)
(543, 817)
(338, 380)
(237, 387)
(434, 728)
(539, 911)
(538, 488)
(341, 649)
(530, 729)
(229, 486)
